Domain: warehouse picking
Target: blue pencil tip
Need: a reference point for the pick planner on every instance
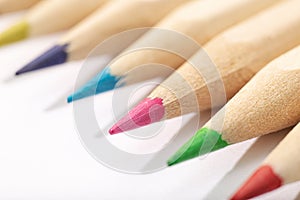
(103, 82)
(54, 56)
(70, 99)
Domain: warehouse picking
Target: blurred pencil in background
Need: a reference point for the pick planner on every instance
(235, 55)
(15, 5)
(49, 16)
(115, 17)
(268, 103)
(198, 20)
(281, 167)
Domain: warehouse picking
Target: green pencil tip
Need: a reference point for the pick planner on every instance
(204, 141)
(15, 33)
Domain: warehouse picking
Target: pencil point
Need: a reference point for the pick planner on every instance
(263, 180)
(147, 112)
(70, 99)
(103, 82)
(15, 33)
(204, 141)
(54, 56)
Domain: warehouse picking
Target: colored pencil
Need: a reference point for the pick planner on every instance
(199, 20)
(279, 168)
(15, 5)
(102, 24)
(268, 103)
(49, 16)
(237, 54)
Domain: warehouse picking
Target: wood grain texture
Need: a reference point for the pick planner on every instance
(237, 54)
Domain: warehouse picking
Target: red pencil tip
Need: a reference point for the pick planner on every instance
(263, 180)
(147, 112)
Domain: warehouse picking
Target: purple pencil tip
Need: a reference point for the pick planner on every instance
(54, 56)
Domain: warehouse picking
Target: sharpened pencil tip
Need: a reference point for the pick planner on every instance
(263, 180)
(204, 141)
(103, 82)
(54, 56)
(107, 81)
(147, 112)
(115, 130)
(70, 99)
(15, 33)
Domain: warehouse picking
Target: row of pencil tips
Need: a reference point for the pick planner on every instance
(246, 59)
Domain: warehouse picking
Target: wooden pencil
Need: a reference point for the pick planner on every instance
(197, 20)
(102, 24)
(48, 17)
(237, 54)
(279, 168)
(15, 5)
(268, 103)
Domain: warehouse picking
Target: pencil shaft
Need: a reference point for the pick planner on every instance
(106, 22)
(57, 15)
(15, 5)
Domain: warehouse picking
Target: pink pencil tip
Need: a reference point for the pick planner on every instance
(147, 112)
(114, 130)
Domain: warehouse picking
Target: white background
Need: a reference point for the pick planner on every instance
(42, 157)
